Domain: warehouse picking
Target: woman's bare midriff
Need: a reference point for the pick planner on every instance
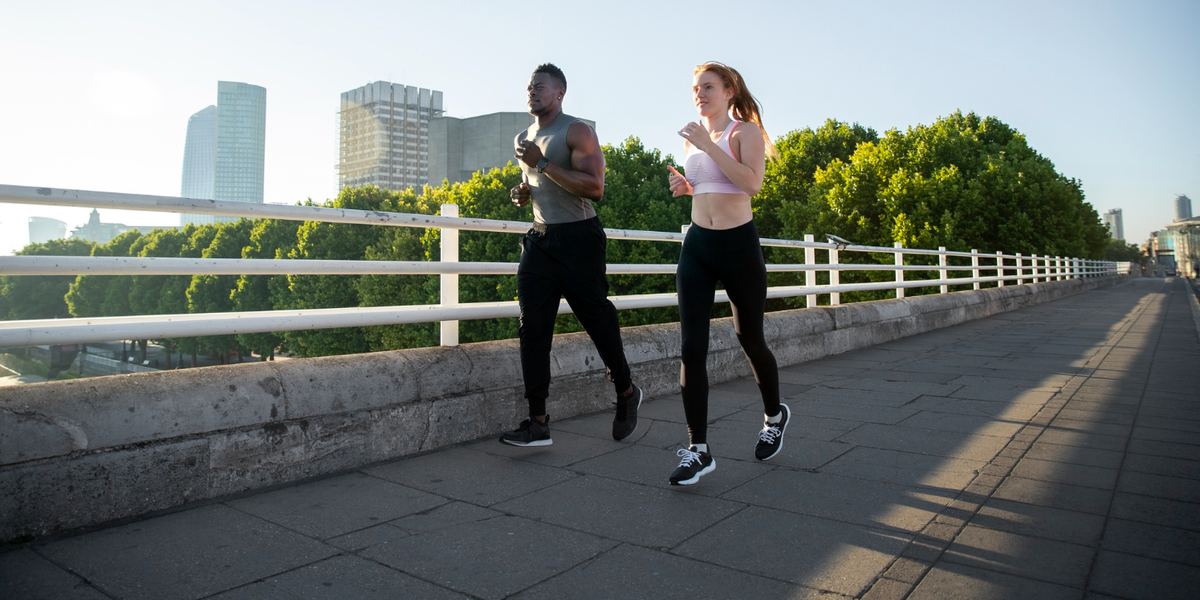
(721, 211)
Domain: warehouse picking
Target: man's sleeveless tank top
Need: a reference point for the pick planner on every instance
(703, 173)
(551, 203)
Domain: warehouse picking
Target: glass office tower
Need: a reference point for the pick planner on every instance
(384, 135)
(237, 152)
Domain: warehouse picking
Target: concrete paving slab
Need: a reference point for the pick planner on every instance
(977, 425)
(568, 447)
(1165, 449)
(1040, 521)
(471, 476)
(1021, 555)
(1158, 511)
(653, 466)
(648, 516)
(1083, 439)
(494, 558)
(337, 505)
(1038, 394)
(1152, 541)
(1160, 486)
(1082, 475)
(1074, 455)
(887, 398)
(1163, 465)
(949, 581)
(1140, 578)
(870, 503)
(619, 573)
(1055, 495)
(1120, 430)
(851, 411)
(827, 555)
(926, 441)
(441, 517)
(26, 575)
(1175, 424)
(1015, 412)
(357, 541)
(905, 468)
(343, 578)
(1159, 434)
(185, 555)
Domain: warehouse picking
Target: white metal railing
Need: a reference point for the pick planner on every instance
(1013, 268)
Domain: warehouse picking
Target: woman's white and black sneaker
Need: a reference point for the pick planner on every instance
(770, 439)
(530, 433)
(625, 422)
(692, 467)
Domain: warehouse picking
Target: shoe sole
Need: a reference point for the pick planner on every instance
(641, 396)
(782, 430)
(532, 444)
(705, 471)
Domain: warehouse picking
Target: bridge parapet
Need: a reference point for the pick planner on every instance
(81, 452)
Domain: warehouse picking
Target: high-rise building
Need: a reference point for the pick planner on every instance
(200, 155)
(460, 147)
(1183, 207)
(1115, 223)
(44, 229)
(384, 135)
(239, 148)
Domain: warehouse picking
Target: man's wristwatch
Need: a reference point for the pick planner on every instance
(541, 164)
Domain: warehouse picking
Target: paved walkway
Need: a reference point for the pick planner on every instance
(1049, 453)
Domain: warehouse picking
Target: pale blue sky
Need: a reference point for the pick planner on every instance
(97, 95)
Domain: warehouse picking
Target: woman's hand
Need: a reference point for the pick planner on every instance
(679, 184)
(698, 137)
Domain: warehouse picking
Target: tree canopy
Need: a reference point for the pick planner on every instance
(962, 182)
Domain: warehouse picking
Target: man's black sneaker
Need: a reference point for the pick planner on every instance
(530, 433)
(692, 467)
(625, 423)
(770, 439)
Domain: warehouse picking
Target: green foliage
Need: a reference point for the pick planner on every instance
(1119, 251)
(40, 296)
(962, 182)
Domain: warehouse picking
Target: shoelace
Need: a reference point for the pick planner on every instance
(688, 457)
(769, 433)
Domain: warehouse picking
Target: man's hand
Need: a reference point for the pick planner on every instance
(679, 184)
(520, 194)
(529, 153)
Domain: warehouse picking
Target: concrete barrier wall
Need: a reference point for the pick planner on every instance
(81, 452)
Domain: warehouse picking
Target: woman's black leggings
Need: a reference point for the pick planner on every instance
(732, 257)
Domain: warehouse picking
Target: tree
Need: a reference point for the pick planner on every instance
(270, 239)
(1119, 251)
(40, 296)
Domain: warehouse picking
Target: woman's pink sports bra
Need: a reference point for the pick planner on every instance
(703, 173)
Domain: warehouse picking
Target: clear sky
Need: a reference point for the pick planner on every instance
(96, 95)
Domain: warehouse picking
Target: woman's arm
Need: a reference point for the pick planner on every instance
(746, 142)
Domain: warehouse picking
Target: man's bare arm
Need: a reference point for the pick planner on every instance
(585, 178)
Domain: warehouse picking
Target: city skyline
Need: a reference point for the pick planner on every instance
(1104, 91)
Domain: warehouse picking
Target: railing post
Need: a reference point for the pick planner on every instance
(975, 266)
(835, 277)
(810, 276)
(1034, 262)
(899, 273)
(1000, 269)
(943, 273)
(1058, 268)
(449, 282)
(1020, 269)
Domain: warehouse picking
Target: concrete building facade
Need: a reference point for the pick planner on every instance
(460, 147)
(383, 131)
(44, 229)
(1115, 223)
